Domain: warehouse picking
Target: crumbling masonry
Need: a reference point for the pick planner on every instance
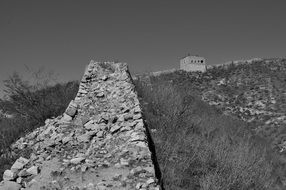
(99, 143)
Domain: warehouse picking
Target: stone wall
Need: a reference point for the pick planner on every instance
(193, 63)
(99, 143)
(236, 62)
(192, 67)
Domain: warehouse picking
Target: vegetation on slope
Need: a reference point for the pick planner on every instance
(199, 147)
(29, 105)
(237, 143)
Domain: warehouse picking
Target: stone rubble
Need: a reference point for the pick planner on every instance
(99, 143)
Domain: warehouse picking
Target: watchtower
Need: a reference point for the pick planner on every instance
(193, 63)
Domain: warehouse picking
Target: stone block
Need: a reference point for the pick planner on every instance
(9, 175)
(19, 164)
(34, 170)
(9, 185)
(72, 109)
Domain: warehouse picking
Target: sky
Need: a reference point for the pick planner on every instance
(64, 35)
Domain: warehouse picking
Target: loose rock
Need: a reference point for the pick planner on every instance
(34, 170)
(9, 175)
(19, 164)
(9, 185)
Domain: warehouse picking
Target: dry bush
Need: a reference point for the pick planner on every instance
(199, 148)
(30, 106)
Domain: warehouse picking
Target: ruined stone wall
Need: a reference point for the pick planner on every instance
(99, 143)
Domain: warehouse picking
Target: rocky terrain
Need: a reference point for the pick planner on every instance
(99, 143)
(254, 92)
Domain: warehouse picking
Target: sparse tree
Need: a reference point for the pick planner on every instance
(36, 99)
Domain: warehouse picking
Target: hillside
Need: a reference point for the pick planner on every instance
(219, 130)
(222, 129)
(255, 93)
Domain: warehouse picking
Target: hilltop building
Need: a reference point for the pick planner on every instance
(193, 63)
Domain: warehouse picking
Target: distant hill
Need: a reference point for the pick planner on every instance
(194, 116)
(254, 91)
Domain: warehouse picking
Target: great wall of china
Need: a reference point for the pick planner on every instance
(99, 143)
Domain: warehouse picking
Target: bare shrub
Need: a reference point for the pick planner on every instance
(29, 105)
(197, 147)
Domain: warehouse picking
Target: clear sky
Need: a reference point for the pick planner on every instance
(149, 35)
